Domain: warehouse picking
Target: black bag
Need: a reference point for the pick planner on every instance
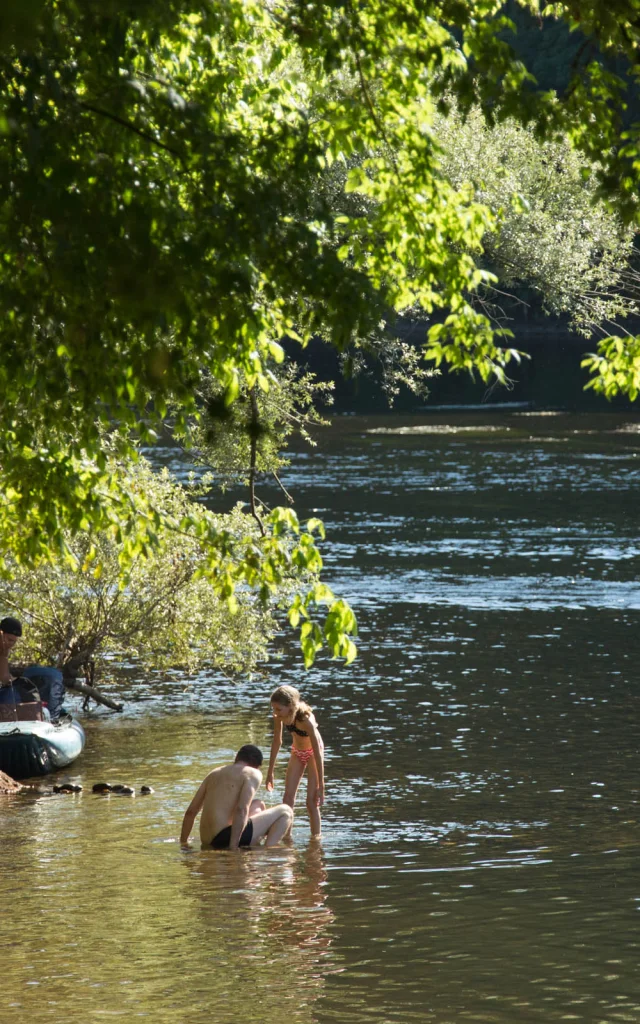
(27, 690)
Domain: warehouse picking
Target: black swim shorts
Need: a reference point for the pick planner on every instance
(221, 841)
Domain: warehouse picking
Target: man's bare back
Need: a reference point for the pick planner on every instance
(230, 815)
(223, 788)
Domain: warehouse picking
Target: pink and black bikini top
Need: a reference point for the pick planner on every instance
(292, 728)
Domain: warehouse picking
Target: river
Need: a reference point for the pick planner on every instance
(481, 832)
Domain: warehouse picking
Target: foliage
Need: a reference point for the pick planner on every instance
(250, 435)
(167, 609)
(592, 115)
(616, 367)
(399, 363)
(160, 201)
(553, 232)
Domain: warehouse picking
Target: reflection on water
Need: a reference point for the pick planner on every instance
(480, 840)
(154, 930)
(269, 928)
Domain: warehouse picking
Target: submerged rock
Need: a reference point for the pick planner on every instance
(119, 789)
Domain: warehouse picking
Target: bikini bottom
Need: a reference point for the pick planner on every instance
(303, 755)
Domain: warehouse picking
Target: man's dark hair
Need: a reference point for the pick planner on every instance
(11, 625)
(250, 755)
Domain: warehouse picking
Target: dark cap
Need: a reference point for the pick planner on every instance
(10, 625)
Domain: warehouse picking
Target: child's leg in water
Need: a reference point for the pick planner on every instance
(295, 771)
(256, 806)
(312, 796)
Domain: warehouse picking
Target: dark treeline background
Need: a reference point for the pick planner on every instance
(553, 53)
(550, 378)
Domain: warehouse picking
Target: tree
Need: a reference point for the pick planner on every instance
(161, 200)
(554, 235)
(163, 610)
(241, 441)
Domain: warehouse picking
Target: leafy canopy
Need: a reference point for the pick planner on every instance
(162, 202)
(247, 438)
(554, 235)
(179, 601)
(164, 610)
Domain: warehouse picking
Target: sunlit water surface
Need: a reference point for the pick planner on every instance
(481, 836)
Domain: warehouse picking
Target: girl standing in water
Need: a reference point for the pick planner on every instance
(307, 751)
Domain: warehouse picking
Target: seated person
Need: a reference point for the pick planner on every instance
(13, 689)
(231, 818)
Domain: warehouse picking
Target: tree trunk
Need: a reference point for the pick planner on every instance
(75, 686)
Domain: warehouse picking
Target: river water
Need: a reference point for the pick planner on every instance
(479, 858)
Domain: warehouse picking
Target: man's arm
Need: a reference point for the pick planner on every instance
(241, 813)
(191, 814)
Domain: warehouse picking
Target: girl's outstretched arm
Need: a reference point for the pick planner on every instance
(276, 743)
(318, 753)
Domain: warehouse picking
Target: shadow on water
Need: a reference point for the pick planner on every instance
(480, 838)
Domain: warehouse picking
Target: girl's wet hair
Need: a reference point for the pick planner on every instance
(289, 697)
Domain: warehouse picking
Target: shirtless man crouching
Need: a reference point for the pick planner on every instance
(231, 818)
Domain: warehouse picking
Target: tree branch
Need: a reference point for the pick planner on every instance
(75, 686)
(131, 127)
(283, 488)
(255, 424)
